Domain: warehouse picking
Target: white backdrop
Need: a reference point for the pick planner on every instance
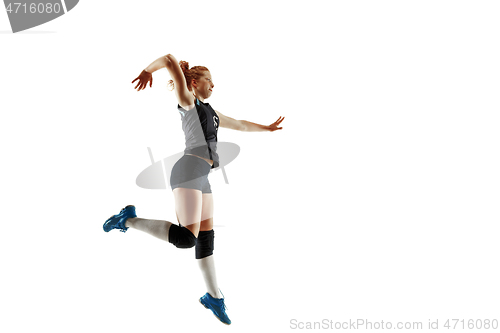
(377, 201)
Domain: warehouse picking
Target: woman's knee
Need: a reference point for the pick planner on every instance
(181, 237)
(205, 244)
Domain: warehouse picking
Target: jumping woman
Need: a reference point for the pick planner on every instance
(189, 178)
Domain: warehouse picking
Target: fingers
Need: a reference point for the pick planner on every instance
(142, 84)
(280, 119)
(276, 123)
(138, 83)
(143, 78)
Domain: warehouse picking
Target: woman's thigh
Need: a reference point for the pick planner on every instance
(188, 207)
(207, 212)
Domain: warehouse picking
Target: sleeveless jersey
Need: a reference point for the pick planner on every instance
(200, 125)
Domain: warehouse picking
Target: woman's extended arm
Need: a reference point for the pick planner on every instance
(253, 127)
(246, 126)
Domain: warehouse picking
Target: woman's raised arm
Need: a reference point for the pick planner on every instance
(184, 97)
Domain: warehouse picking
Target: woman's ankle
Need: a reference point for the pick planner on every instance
(130, 222)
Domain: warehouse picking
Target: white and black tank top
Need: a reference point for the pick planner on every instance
(200, 125)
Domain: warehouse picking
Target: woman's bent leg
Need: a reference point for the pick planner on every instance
(188, 209)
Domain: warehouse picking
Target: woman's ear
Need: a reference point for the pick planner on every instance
(193, 83)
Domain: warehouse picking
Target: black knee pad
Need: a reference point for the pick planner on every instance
(205, 244)
(181, 237)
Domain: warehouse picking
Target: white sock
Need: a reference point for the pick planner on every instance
(157, 228)
(207, 266)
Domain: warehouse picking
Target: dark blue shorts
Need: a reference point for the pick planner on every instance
(191, 172)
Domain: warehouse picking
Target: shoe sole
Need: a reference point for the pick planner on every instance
(213, 313)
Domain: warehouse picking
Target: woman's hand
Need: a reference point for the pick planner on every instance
(144, 78)
(274, 126)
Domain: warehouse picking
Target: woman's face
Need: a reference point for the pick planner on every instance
(204, 86)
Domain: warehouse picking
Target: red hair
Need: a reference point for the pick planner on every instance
(189, 73)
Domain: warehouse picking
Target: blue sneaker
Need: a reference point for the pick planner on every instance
(118, 221)
(217, 306)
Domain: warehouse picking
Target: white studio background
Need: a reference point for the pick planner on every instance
(378, 200)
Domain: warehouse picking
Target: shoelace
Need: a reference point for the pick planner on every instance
(123, 228)
(221, 301)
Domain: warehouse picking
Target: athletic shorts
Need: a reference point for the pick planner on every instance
(191, 172)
